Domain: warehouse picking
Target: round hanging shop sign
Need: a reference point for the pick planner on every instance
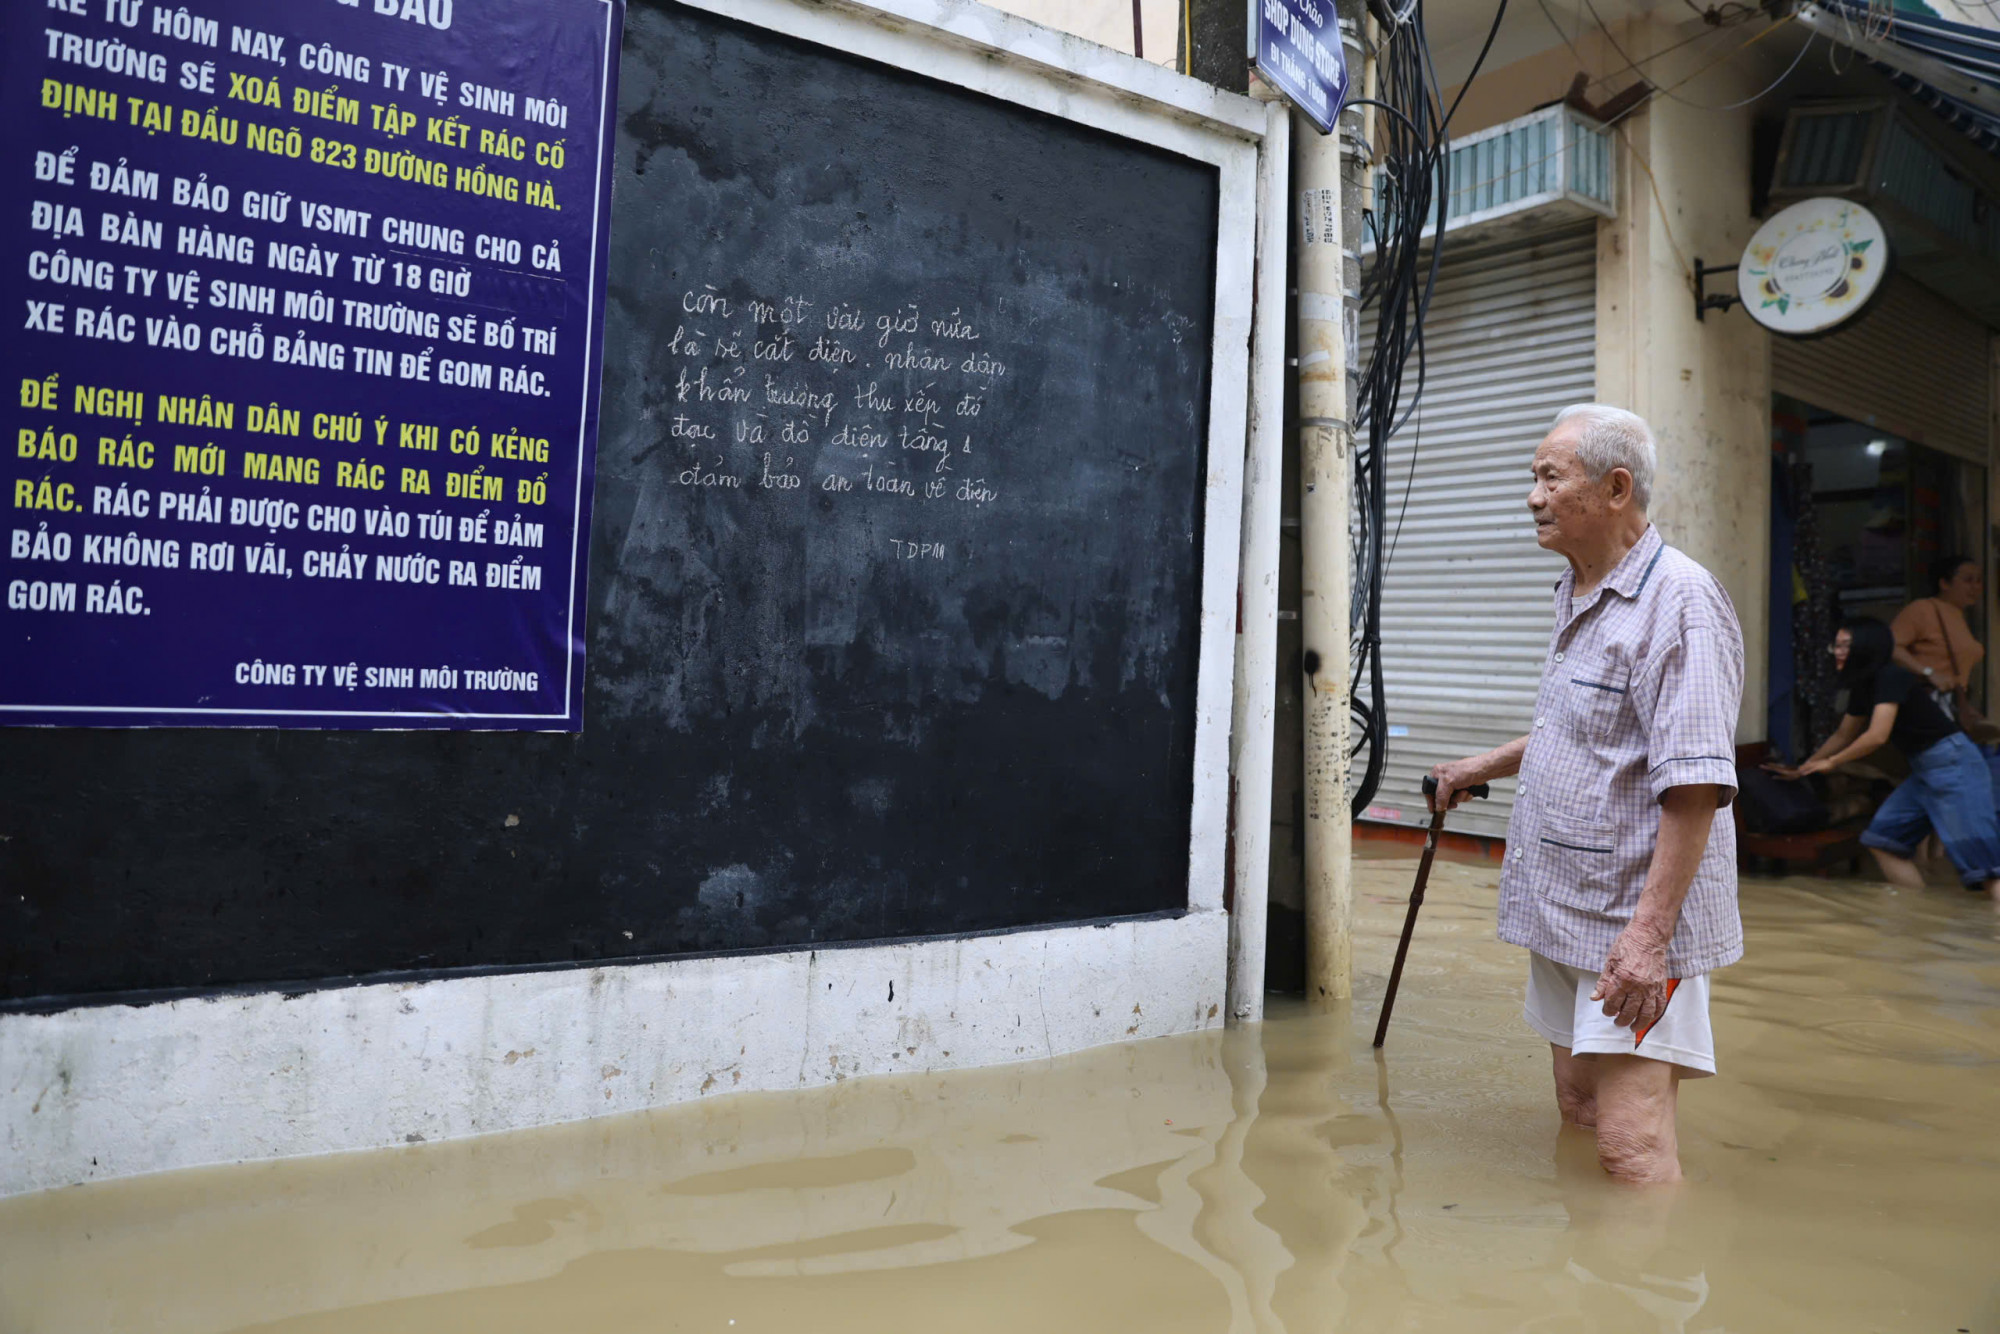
(1813, 266)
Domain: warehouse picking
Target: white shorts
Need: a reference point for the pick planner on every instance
(1560, 1009)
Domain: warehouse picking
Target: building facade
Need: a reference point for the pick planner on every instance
(1816, 477)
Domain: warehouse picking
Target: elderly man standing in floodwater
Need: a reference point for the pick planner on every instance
(1619, 878)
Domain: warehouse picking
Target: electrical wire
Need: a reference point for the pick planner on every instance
(1604, 31)
(1669, 92)
(1730, 54)
(1630, 65)
(1567, 40)
(1640, 64)
(1414, 192)
(1774, 84)
(1741, 14)
(1499, 12)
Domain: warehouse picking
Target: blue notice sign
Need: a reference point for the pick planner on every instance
(307, 310)
(1296, 49)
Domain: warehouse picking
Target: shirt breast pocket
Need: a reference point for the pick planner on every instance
(1596, 698)
(1578, 862)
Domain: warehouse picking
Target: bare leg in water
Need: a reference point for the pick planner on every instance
(1903, 874)
(1576, 1089)
(1899, 871)
(1630, 1102)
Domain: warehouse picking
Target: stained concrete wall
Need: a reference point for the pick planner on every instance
(1704, 384)
(118, 1090)
(834, 1181)
(1109, 23)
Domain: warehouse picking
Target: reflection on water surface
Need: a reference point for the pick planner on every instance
(1844, 1175)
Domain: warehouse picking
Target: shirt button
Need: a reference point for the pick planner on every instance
(1518, 854)
(1538, 722)
(1559, 657)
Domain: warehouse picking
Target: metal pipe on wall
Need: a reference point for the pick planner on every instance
(1328, 278)
(1255, 712)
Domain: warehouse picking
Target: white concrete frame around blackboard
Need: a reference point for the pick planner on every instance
(981, 49)
(115, 1090)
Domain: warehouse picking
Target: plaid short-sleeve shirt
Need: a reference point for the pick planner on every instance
(1640, 693)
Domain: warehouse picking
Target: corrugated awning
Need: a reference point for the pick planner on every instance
(1953, 68)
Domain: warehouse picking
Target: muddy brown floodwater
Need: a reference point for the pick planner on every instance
(1844, 1174)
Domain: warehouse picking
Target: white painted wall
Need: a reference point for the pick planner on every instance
(115, 1090)
(954, 1167)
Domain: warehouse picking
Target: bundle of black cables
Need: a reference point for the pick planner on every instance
(1413, 187)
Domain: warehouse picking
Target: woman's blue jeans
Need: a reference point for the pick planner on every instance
(1949, 790)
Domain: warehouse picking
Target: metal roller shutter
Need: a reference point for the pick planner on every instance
(1466, 614)
(1915, 365)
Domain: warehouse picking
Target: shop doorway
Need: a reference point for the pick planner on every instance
(1859, 515)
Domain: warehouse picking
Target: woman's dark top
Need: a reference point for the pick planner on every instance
(1920, 722)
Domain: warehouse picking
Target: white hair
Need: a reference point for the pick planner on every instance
(1608, 438)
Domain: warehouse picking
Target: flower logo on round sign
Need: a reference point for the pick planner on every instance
(1813, 266)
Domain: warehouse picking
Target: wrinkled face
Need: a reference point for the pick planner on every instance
(1965, 588)
(1843, 644)
(1571, 511)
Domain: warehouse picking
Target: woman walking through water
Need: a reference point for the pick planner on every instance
(1949, 789)
(1933, 638)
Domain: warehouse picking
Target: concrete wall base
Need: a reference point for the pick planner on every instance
(117, 1090)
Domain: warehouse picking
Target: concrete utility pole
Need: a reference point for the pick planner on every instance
(1329, 274)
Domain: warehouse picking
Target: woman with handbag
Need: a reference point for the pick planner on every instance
(1949, 790)
(1934, 642)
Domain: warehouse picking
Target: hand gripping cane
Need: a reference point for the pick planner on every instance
(1416, 902)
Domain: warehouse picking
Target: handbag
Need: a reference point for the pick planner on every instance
(1958, 703)
(1773, 805)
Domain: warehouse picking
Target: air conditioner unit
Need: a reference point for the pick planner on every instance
(1943, 227)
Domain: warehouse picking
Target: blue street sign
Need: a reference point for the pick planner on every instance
(1295, 47)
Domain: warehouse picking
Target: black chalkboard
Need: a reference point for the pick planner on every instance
(950, 691)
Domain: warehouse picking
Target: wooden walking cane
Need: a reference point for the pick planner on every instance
(1416, 902)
